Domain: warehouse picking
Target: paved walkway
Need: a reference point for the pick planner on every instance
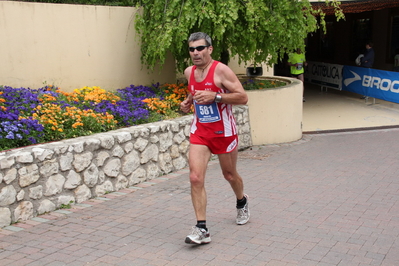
(337, 110)
(328, 199)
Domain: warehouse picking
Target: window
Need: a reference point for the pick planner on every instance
(393, 44)
(361, 35)
(327, 50)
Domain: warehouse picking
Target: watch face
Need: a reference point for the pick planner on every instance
(218, 98)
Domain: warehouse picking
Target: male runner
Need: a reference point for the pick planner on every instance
(213, 88)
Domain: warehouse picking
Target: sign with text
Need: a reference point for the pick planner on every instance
(324, 74)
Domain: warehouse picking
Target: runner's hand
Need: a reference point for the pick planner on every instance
(202, 97)
(185, 105)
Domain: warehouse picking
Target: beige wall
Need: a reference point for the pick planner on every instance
(72, 46)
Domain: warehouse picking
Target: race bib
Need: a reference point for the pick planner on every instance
(299, 66)
(207, 113)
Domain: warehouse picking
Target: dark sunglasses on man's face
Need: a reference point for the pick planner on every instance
(198, 48)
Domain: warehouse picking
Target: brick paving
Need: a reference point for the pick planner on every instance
(328, 199)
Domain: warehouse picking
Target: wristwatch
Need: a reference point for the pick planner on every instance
(218, 97)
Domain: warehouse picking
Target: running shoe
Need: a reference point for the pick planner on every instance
(198, 236)
(243, 213)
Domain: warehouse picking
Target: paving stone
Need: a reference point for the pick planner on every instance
(329, 199)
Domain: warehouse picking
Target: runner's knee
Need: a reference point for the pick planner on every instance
(196, 180)
(229, 176)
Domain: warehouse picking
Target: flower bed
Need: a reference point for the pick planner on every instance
(250, 84)
(48, 114)
(261, 82)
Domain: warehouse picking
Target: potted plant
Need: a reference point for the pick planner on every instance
(275, 108)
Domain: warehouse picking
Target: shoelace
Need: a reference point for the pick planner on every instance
(197, 231)
(241, 213)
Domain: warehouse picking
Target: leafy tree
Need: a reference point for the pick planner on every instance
(257, 31)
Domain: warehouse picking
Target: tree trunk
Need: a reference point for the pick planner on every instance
(225, 57)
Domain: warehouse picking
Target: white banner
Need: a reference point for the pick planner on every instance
(324, 74)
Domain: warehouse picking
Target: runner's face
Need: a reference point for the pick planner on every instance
(200, 58)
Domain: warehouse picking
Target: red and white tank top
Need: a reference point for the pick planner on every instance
(212, 119)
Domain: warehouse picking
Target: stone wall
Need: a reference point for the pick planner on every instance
(41, 178)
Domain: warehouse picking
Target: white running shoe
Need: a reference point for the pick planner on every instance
(198, 236)
(243, 213)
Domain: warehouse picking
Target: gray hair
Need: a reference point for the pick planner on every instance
(200, 36)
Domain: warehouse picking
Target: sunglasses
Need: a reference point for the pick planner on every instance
(198, 48)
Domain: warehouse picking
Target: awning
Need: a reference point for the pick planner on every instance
(358, 6)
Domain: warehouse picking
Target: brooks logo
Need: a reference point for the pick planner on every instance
(351, 80)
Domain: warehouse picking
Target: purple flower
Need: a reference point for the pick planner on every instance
(15, 132)
(130, 109)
